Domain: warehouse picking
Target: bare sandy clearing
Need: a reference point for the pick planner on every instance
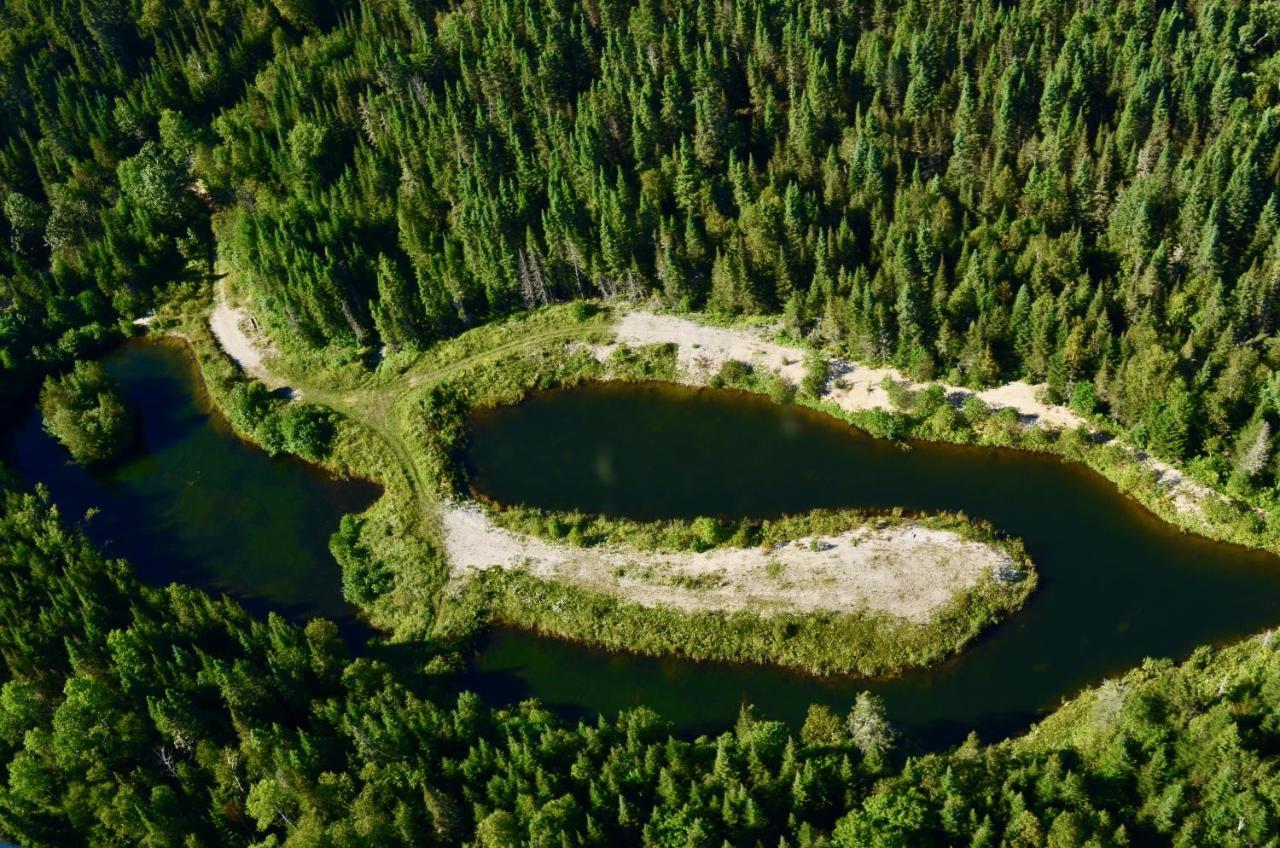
(1021, 396)
(225, 321)
(701, 350)
(908, 571)
(228, 324)
(1187, 495)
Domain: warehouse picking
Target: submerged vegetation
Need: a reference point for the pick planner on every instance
(84, 411)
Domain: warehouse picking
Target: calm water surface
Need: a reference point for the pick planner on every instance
(194, 504)
(1117, 584)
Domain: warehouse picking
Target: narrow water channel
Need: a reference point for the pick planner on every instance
(1117, 584)
(194, 504)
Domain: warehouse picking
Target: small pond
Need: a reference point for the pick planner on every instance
(1117, 584)
(195, 504)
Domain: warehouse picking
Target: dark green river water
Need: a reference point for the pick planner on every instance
(197, 505)
(194, 504)
(1117, 584)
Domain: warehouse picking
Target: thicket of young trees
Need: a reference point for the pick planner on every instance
(85, 412)
(149, 717)
(101, 101)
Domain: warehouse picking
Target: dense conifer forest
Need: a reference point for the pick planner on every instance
(138, 716)
(1081, 193)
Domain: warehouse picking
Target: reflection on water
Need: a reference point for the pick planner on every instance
(196, 505)
(1117, 584)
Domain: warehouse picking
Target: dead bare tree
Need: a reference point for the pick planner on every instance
(575, 258)
(348, 314)
(539, 277)
(167, 762)
(526, 285)
(533, 290)
(607, 288)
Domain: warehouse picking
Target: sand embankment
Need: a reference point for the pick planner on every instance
(905, 570)
(702, 350)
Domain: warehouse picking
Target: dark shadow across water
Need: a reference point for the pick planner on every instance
(194, 504)
(1117, 584)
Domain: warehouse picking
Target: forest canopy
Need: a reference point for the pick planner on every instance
(1081, 193)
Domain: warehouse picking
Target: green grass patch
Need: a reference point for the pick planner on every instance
(821, 643)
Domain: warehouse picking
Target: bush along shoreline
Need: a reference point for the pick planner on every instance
(84, 411)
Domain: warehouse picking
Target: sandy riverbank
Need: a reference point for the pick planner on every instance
(229, 325)
(703, 349)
